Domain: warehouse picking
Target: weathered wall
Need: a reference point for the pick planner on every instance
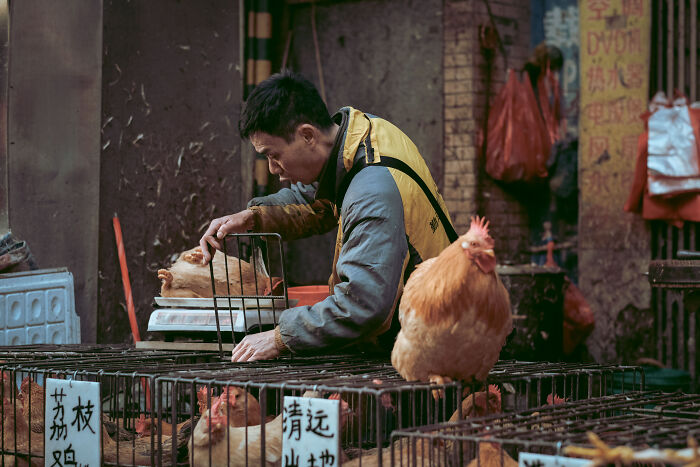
(171, 96)
(380, 56)
(613, 246)
(467, 189)
(53, 133)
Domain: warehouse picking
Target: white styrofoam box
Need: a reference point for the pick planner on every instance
(38, 307)
(16, 336)
(15, 310)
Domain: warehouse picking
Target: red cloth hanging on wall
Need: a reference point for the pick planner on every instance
(675, 210)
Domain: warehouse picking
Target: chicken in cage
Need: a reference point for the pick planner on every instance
(243, 290)
(153, 402)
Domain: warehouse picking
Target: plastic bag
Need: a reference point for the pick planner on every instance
(673, 209)
(673, 166)
(517, 144)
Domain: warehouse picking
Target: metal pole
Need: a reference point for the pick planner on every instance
(4, 85)
(693, 51)
(669, 49)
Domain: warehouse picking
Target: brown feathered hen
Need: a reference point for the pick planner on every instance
(32, 397)
(16, 437)
(455, 313)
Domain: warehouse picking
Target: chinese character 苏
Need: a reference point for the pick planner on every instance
(58, 428)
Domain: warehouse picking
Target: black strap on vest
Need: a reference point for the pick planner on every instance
(400, 165)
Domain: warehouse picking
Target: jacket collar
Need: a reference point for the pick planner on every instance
(352, 131)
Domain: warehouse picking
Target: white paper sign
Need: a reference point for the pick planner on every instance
(528, 459)
(72, 423)
(310, 432)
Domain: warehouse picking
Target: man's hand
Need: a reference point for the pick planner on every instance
(256, 347)
(235, 223)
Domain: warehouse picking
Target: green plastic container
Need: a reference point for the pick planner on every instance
(655, 379)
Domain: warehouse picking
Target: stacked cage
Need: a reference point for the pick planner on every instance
(196, 408)
(636, 421)
(156, 406)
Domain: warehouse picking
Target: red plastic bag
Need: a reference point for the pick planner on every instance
(517, 145)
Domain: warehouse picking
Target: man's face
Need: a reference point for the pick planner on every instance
(295, 161)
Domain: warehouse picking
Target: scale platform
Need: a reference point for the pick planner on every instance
(197, 315)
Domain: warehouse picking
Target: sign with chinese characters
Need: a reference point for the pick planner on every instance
(72, 423)
(615, 47)
(612, 246)
(528, 459)
(310, 432)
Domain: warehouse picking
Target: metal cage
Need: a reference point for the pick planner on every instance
(152, 401)
(497, 440)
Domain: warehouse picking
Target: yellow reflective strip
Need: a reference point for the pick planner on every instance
(250, 71)
(251, 24)
(263, 69)
(263, 25)
(261, 171)
(375, 145)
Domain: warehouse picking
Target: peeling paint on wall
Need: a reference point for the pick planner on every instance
(169, 152)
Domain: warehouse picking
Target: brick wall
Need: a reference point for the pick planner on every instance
(467, 189)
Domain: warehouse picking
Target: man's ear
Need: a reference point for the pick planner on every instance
(307, 132)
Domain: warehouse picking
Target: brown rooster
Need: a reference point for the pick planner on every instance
(189, 278)
(455, 313)
(16, 436)
(479, 404)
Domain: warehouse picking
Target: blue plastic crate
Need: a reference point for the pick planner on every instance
(38, 307)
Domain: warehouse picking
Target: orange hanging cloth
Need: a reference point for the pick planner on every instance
(674, 209)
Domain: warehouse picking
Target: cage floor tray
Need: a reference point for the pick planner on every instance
(278, 304)
(193, 320)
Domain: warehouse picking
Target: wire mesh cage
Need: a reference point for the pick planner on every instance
(152, 401)
(266, 295)
(498, 439)
(675, 280)
(524, 385)
(242, 291)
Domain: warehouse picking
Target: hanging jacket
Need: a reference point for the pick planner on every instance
(387, 225)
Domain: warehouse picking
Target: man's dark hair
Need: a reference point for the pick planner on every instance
(281, 103)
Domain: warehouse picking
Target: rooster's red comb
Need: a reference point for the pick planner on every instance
(480, 226)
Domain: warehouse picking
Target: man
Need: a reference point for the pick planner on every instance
(339, 176)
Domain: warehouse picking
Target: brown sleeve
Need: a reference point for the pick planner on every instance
(283, 349)
(293, 221)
